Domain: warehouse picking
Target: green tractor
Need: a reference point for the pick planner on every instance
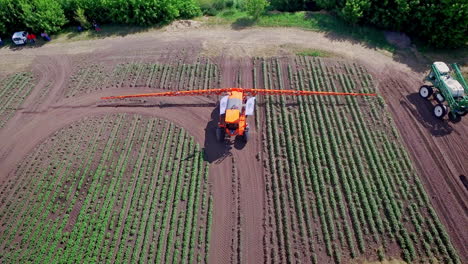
(449, 89)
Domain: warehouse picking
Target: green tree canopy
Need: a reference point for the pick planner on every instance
(441, 23)
(353, 10)
(9, 16)
(42, 15)
(255, 7)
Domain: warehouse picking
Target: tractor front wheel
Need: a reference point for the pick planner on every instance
(440, 111)
(454, 117)
(425, 91)
(220, 134)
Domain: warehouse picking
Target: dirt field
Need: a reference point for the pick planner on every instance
(66, 75)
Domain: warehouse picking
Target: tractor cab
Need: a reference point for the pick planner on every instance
(233, 116)
(233, 113)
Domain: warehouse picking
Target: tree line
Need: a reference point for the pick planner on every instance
(51, 15)
(439, 23)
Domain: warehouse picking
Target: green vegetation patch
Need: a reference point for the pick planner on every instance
(314, 53)
(202, 74)
(115, 188)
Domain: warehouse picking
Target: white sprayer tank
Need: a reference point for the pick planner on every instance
(455, 88)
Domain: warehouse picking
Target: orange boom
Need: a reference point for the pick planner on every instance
(235, 106)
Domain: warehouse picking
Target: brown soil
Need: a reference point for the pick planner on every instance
(438, 148)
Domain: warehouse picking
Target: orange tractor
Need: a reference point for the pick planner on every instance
(235, 106)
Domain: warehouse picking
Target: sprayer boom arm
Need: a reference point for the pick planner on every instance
(251, 92)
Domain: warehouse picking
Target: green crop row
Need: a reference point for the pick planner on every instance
(276, 169)
(338, 176)
(117, 188)
(173, 76)
(31, 229)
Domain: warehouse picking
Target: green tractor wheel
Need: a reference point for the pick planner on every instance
(425, 91)
(440, 111)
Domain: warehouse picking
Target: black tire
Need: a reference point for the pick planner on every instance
(439, 111)
(454, 117)
(425, 91)
(439, 98)
(220, 134)
(463, 113)
(246, 136)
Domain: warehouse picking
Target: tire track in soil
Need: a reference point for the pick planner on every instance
(54, 69)
(251, 177)
(223, 206)
(50, 70)
(240, 73)
(435, 148)
(249, 184)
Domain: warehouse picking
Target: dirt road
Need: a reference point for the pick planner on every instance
(437, 148)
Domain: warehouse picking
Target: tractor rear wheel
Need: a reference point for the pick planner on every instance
(220, 134)
(440, 111)
(454, 117)
(425, 91)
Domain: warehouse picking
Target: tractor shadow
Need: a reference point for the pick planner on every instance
(215, 151)
(424, 115)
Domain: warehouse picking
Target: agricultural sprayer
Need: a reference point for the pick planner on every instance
(448, 89)
(235, 105)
